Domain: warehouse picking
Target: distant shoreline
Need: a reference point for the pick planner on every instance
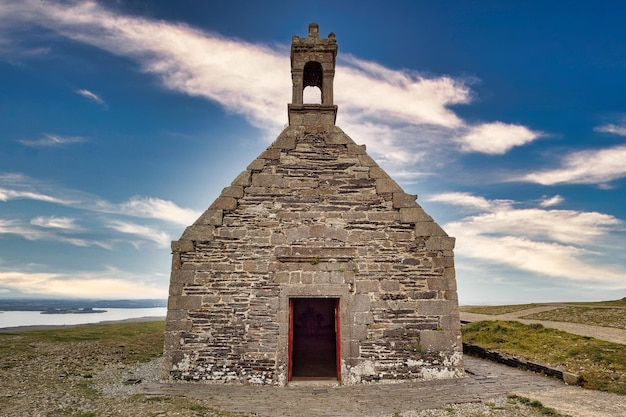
(59, 326)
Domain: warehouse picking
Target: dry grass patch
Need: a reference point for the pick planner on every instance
(597, 316)
(497, 310)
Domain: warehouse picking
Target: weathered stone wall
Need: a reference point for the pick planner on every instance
(313, 216)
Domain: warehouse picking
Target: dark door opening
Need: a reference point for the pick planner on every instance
(313, 338)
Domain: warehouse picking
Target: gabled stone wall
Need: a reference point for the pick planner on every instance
(313, 216)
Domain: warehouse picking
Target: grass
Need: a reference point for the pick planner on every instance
(497, 310)
(546, 411)
(601, 365)
(598, 316)
(65, 362)
(132, 342)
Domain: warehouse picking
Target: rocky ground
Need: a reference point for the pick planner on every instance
(81, 379)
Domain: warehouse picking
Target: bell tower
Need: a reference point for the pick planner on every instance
(313, 65)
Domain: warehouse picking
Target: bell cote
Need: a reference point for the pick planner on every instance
(313, 65)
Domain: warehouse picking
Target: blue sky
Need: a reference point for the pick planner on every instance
(120, 122)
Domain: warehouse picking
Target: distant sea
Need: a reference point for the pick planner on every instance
(35, 318)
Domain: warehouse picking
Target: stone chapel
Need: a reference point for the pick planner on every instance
(313, 263)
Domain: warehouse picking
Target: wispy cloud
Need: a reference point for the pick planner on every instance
(91, 96)
(64, 223)
(157, 236)
(18, 186)
(614, 129)
(49, 140)
(551, 201)
(25, 230)
(405, 111)
(556, 243)
(584, 167)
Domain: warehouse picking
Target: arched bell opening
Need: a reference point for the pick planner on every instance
(312, 95)
(313, 76)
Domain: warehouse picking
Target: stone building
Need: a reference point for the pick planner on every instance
(313, 263)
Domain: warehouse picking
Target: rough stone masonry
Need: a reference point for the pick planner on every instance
(313, 263)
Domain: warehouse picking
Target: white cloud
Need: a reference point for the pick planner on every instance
(52, 140)
(159, 237)
(107, 284)
(585, 167)
(156, 208)
(64, 223)
(91, 96)
(614, 129)
(551, 201)
(469, 200)
(496, 138)
(405, 112)
(556, 243)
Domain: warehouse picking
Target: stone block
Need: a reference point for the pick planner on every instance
(436, 307)
(338, 138)
(387, 185)
(359, 332)
(268, 180)
(363, 317)
(182, 246)
(361, 303)
(212, 217)
(233, 191)
(438, 340)
(224, 203)
(437, 284)
(256, 165)
(440, 243)
(428, 228)
(367, 161)
(198, 232)
(242, 179)
(284, 142)
(378, 173)
(413, 215)
(354, 149)
(271, 153)
(390, 285)
(402, 200)
(183, 276)
(450, 322)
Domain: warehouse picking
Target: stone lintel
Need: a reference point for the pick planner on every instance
(304, 254)
(312, 115)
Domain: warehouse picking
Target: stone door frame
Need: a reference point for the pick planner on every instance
(341, 293)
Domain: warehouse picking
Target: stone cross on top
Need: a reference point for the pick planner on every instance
(313, 65)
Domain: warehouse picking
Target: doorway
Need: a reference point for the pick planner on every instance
(314, 338)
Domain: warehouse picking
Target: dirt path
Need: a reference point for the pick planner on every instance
(603, 333)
